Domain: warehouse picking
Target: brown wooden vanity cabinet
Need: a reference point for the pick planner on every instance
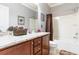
(19, 49)
(37, 46)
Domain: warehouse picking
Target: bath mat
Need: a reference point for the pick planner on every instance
(64, 52)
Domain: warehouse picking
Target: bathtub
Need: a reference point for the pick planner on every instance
(71, 45)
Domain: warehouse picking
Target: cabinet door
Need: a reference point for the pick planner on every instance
(45, 45)
(20, 49)
(27, 48)
(23, 49)
(9, 51)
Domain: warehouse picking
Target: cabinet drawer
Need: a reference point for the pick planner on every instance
(37, 49)
(37, 41)
(39, 53)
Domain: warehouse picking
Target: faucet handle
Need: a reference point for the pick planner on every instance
(76, 33)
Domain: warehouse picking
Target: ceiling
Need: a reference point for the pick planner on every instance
(34, 7)
(54, 4)
(57, 9)
(61, 9)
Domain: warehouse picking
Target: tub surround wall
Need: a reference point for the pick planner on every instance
(67, 26)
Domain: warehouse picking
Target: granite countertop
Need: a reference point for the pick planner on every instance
(8, 40)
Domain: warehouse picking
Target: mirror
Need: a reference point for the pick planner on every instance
(10, 12)
(32, 22)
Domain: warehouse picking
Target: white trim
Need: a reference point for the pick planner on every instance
(54, 4)
(30, 6)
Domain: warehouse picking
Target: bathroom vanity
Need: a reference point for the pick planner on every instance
(31, 44)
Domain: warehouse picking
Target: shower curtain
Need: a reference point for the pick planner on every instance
(49, 25)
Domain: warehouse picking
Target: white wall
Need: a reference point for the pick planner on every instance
(68, 25)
